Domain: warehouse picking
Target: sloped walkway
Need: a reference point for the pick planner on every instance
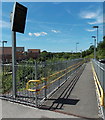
(72, 100)
(81, 101)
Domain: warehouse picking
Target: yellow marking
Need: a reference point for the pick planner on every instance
(97, 83)
(63, 70)
(45, 86)
(58, 78)
(27, 85)
(44, 79)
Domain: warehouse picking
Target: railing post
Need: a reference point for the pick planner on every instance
(59, 64)
(45, 82)
(66, 70)
(36, 96)
(100, 73)
(104, 85)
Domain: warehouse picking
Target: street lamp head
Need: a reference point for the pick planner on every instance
(95, 26)
(93, 36)
(4, 41)
(77, 43)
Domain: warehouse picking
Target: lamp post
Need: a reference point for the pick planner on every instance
(81, 53)
(97, 32)
(3, 56)
(76, 46)
(72, 54)
(94, 46)
(3, 51)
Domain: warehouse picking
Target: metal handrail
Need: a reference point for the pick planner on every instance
(45, 86)
(62, 70)
(99, 66)
(32, 90)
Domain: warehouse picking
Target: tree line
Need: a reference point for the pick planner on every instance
(89, 53)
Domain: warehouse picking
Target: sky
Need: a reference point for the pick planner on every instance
(55, 26)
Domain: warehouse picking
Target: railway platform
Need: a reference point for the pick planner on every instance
(81, 101)
(76, 98)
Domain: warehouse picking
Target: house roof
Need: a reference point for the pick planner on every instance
(33, 50)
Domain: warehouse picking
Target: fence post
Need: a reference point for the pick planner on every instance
(104, 84)
(66, 70)
(45, 82)
(36, 97)
(58, 69)
(100, 80)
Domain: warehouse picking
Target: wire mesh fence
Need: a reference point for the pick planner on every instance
(50, 74)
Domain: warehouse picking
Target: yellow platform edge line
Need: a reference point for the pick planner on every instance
(97, 83)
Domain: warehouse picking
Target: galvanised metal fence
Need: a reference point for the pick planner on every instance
(100, 72)
(50, 74)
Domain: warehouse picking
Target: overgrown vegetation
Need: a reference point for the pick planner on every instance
(101, 49)
(25, 71)
(89, 53)
(48, 56)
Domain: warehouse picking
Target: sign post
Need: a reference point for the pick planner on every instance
(18, 18)
(14, 62)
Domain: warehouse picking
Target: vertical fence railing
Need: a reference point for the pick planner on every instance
(32, 70)
(100, 71)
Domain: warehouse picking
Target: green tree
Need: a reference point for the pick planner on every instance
(101, 49)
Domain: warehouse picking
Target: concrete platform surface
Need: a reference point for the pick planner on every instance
(14, 110)
(81, 101)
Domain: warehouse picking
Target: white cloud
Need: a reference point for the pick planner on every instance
(88, 15)
(98, 20)
(37, 34)
(43, 33)
(55, 31)
(90, 30)
(40, 34)
(30, 34)
(96, 16)
(4, 24)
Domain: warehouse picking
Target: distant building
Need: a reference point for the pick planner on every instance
(34, 50)
(20, 54)
(7, 53)
(33, 53)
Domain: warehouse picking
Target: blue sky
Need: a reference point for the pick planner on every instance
(56, 26)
